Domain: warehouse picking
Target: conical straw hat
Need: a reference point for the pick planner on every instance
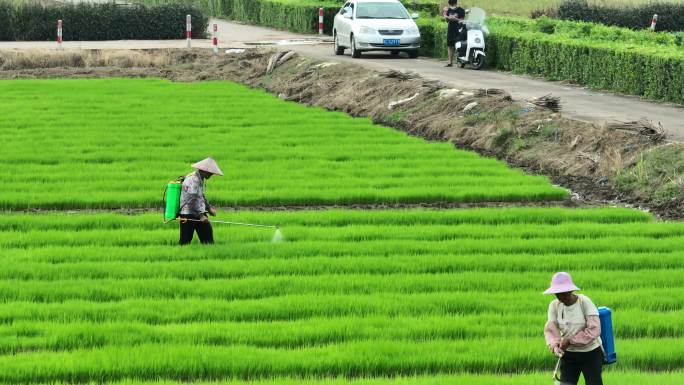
(208, 165)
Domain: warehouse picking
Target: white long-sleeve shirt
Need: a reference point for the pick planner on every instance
(579, 323)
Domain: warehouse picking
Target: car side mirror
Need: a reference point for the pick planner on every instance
(415, 15)
(347, 13)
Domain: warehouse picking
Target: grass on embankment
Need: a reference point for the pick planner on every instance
(657, 175)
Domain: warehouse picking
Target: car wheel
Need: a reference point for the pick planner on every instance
(339, 50)
(413, 53)
(355, 52)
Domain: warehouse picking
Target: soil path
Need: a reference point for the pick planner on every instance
(578, 103)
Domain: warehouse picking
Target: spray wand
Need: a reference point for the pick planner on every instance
(556, 380)
(277, 236)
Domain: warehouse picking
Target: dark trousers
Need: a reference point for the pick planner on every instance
(188, 228)
(587, 363)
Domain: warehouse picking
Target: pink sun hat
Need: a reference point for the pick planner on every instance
(561, 283)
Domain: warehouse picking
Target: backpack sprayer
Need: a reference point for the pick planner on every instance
(607, 337)
(172, 194)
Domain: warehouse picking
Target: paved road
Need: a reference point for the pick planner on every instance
(578, 103)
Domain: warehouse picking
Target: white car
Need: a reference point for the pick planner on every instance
(375, 25)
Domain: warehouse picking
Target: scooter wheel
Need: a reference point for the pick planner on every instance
(478, 62)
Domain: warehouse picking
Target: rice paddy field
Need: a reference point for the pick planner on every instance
(368, 297)
(350, 294)
(114, 143)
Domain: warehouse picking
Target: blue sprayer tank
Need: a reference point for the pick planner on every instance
(605, 315)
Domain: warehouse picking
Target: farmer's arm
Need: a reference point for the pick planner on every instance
(588, 334)
(210, 209)
(551, 331)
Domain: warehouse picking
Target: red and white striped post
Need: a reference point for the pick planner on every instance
(188, 30)
(214, 39)
(59, 34)
(320, 21)
(653, 23)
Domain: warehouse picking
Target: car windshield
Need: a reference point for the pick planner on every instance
(381, 11)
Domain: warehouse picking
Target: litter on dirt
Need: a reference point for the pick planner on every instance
(233, 51)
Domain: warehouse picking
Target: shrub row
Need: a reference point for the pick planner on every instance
(295, 17)
(292, 15)
(670, 15)
(6, 30)
(644, 64)
(36, 22)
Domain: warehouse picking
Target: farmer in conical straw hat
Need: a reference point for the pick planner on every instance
(573, 332)
(194, 206)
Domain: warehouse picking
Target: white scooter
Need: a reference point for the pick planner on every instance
(475, 44)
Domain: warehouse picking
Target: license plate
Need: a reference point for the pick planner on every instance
(391, 42)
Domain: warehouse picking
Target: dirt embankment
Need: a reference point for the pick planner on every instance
(628, 164)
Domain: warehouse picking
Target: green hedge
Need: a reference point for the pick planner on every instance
(296, 17)
(426, 7)
(6, 28)
(670, 15)
(641, 63)
(34, 22)
(292, 15)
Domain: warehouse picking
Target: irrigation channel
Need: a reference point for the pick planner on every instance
(95, 289)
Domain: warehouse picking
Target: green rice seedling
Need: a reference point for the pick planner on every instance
(353, 359)
(625, 377)
(356, 294)
(339, 218)
(48, 336)
(149, 263)
(295, 307)
(116, 142)
(482, 283)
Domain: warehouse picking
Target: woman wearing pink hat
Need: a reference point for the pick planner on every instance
(573, 332)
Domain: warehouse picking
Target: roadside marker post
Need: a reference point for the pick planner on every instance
(320, 21)
(214, 39)
(188, 30)
(59, 34)
(653, 22)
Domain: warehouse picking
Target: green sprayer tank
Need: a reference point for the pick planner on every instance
(172, 197)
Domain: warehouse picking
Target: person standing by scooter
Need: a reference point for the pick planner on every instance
(573, 332)
(454, 15)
